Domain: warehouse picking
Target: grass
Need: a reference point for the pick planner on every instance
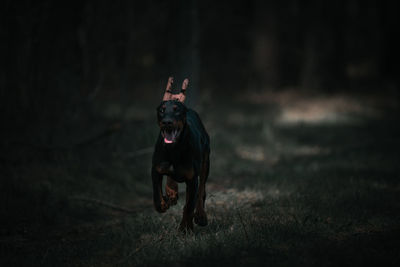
(282, 191)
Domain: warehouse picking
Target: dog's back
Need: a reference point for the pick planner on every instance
(199, 136)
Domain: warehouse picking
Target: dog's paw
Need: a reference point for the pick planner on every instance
(200, 218)
(171, 190)
(172, 196)
(172, 201)
(186, 226)
(162, 206)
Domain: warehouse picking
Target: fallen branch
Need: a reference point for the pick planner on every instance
(110, 130)
(140, 152)
(104, 204)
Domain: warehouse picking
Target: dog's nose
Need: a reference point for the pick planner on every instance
(167, 122)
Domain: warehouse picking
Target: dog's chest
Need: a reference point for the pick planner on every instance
(178, 172)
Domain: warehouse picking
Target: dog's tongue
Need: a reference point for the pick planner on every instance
(168, 139)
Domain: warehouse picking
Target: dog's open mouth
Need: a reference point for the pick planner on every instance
(170, 135)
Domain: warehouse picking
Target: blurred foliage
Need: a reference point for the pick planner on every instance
(60, 59)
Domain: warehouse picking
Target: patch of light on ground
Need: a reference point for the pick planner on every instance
(254, 153)
(322, 110)
(296, 107)
(310, 150)
(233, 197)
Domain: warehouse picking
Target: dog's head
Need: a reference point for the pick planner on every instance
(171, 113)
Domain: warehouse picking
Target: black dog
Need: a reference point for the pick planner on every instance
(182, 153)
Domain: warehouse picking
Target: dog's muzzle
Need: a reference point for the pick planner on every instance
(169, 132)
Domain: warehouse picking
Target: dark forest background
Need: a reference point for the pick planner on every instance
(299, 97)
(57, 57)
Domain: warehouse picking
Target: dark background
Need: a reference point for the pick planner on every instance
(80, 81)
(58, 55)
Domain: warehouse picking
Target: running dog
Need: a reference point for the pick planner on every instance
(182, 153)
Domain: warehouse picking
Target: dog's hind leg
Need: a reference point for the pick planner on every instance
(191, 200)
(171, 190)
(200, 216)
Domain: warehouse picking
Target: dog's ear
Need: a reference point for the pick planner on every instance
(182, 95)
(168, 95)
(168, 91)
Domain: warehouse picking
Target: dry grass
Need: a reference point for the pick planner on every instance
(289, 185)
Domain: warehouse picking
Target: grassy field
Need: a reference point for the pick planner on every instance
(297, 179)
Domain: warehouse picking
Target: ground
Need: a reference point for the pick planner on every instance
(297, 178)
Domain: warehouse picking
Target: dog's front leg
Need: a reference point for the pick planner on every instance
(159, 202)
(171, 190)
(191, 198)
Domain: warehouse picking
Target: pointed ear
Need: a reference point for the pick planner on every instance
(168, 90)
(185, 84)
(182, 95)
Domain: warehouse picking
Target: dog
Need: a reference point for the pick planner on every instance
(182, 153)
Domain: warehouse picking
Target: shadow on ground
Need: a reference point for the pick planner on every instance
(296, 179)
